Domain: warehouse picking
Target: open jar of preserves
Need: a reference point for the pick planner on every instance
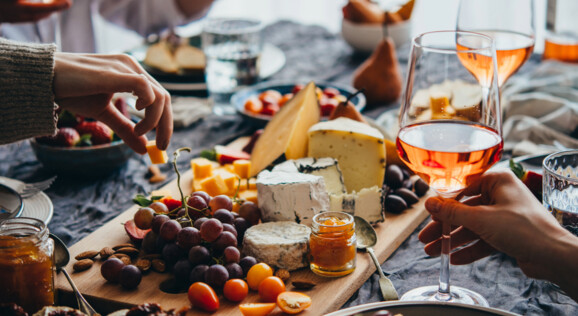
(332, 244)
(26, 267)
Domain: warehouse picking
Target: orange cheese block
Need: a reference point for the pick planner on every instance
(249, 195)
(214, 185)
(242, 168)
(202, 168)
(155, 154)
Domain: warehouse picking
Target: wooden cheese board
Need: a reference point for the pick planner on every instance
(328, 295)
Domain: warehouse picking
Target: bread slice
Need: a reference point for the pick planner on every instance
(189, 57)
(159, 56)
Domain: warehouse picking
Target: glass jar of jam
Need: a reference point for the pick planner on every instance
(26, 268)
(332, 244)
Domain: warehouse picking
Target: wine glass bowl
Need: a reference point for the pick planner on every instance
(450, 127)
(510, 23)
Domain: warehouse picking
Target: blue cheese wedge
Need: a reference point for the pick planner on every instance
(281, 244)
(294, 197)
(367, 203)
(328, 168)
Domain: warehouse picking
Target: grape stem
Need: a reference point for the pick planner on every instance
(184, 199)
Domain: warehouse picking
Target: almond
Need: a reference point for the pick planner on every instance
(143, 264)
(303, 284)
(122, 246)
(122, 257)
(86, 255)
(82, 265)
(106, 252)
(131, 251)
(151, 256)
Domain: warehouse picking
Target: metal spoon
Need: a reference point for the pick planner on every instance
(366, 239)
(61, 259)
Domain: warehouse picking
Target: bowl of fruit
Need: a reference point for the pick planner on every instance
(81, 147)
(260, 102)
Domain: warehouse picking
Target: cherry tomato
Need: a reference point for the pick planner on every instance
(270, 109)
(327, 106)
(270, 288)
(257, 309)
(293, 302)
(202, 296)
(235, 290)
(258, 273)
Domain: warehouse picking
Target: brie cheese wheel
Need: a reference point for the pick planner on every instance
(294, 197)
(358, 147)
(281, 244)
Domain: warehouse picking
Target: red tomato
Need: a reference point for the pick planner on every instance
(297, 88)
(327, 106)
(270, 288)
(235, 290)
(331, 92)
(270, 109)
(202, 296)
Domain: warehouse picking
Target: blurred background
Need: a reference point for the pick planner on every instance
(428, 16)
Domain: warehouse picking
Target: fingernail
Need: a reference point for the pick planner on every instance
(433, 204)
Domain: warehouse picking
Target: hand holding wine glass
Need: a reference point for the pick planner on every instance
(450, 127)
(510, 23)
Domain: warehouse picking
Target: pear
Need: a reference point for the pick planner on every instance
(347, 109)
(363, 11)
(379, 75)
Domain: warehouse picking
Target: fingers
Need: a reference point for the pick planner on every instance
(452, 212)
(471, 253)
(165, 128)
(124, 128)
(459, 237)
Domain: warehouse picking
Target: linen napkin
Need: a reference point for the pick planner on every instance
(186, 110)
(541, 109)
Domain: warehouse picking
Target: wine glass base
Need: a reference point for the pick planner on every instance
(458, 295)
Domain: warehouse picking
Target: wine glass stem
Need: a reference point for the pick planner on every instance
(444, 286)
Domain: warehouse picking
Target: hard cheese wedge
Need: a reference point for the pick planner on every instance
(359, 149)
(287, 130)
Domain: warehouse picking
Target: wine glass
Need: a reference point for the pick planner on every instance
(509, 22)
(450, 128)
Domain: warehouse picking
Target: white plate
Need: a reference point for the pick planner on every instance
(38, 206)
(421, 308)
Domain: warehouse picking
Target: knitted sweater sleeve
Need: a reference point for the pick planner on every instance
(27, 106)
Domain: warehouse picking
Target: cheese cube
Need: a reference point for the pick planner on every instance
(230, 179)
(249, 195)
(252, 184)
(242, 168)
(358, 148)
(214, 185)
(155, 154)
(201, 167)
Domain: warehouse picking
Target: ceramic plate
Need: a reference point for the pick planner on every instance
(38, 206)
(529, 162)
(238, 99)
(421, 309)
(272, 60)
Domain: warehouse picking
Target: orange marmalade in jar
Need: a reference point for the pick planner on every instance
(332, 244)
(26, 272)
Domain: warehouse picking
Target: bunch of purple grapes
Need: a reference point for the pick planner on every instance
(200, 242)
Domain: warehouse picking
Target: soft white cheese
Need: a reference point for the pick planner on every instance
(367, 203)
(294, 197)
(281, 244)
(328, 168)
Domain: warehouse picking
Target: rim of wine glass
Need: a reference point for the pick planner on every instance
(491, 42)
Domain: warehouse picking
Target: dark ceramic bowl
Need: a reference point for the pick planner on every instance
(90, 161)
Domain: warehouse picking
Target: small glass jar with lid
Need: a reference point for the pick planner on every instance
(332, 244)
(26, 264)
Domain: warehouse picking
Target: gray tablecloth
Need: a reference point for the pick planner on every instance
(83, 205)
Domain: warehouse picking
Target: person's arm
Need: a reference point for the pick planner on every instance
(505, 216)
(27, 102)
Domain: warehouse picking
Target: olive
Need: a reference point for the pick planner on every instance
(420, 187)
(395, 204)
(393, 176)
(407, 195)
(406, 174)
(408, 184)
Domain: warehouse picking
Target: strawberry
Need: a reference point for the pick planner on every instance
(531, 179)
(67, 119)
(171, 204)
(224, 155)
(65, 137)
(122, 106)
(99, 133)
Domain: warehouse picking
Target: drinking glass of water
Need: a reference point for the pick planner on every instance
(233, 49)
(560, 188)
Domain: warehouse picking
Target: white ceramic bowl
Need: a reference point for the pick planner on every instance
(365, 37)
